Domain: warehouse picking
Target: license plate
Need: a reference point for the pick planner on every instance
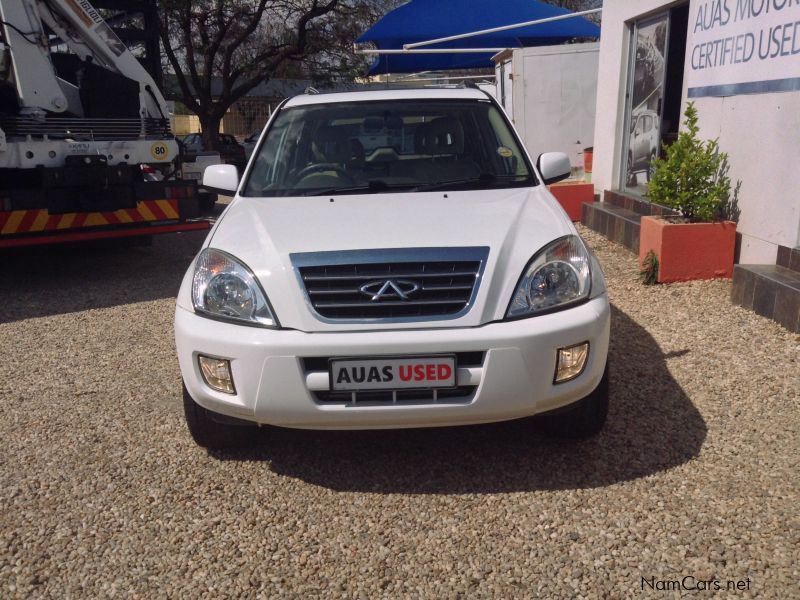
(392, 373)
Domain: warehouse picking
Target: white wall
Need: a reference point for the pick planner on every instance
(504, 83)
(760, 132)
(555, 97)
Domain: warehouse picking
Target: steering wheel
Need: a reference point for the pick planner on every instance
(318, 167)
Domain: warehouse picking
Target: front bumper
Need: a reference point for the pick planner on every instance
(514, 380)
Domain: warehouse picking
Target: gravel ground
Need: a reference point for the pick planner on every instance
(104, 494)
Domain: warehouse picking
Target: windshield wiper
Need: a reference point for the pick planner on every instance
(373, 186)
(481, 181)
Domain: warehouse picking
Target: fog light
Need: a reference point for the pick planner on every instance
(571, 361)
(217, 373)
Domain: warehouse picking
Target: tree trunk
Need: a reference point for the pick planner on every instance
(209, 124)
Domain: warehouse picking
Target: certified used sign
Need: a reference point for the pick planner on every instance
(743, 47)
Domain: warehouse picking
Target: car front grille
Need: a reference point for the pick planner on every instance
(459, 395)
(409, 284)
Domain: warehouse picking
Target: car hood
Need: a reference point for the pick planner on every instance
(513, 223)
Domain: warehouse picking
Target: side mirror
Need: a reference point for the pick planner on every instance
(553, 166)
(221, 179)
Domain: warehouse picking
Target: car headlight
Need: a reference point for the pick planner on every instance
(558, 276)
(224, 288)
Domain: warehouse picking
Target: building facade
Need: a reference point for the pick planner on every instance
(739, 62)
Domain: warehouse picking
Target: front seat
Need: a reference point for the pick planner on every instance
(331, 154)
(443, 140)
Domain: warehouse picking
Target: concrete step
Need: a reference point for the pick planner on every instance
(789, 258)
(637, 205)
(771, 291)
(618, 224)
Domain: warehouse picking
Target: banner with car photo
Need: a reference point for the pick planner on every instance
(646, 81)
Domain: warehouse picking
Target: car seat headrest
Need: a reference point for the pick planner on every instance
(444, 135)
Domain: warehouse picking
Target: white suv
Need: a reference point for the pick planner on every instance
(391, 259)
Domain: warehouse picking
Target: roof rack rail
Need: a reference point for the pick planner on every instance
(311, 90)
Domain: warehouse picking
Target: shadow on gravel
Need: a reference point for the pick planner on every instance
(652, 426)
(40, 281)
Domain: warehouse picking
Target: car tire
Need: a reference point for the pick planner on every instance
(584, 418)
(212, 434)
(650, 168)
(630, 175)
(206, 201)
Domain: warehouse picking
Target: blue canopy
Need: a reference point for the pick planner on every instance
(421, 20)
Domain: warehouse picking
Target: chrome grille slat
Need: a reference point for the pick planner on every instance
(443, 283)
(373, 276)
(390, 303)
(424, 288)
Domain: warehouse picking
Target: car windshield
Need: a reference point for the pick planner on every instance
(375, 146)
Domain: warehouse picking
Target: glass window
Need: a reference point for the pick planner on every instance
(371, 147)
(646, 74)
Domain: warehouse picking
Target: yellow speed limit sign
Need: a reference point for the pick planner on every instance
(159, 151)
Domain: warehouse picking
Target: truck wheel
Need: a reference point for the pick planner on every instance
(207, 201)
(584, 418)
(213, 434)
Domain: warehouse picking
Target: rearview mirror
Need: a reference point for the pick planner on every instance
(553, 166)
(222, 179)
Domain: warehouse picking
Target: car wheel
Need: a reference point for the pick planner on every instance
(651, 167)
(584, 418)
(207, 201)
(630, 175)
(209, 432)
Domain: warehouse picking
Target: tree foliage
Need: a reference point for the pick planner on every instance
(579, 5)
(219, 50)
(693, 177)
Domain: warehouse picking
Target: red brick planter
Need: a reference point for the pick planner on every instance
(688, 251)
(572, 195)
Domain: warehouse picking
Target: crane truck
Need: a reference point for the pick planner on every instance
(86, 150)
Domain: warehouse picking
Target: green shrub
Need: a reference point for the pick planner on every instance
(693, 178)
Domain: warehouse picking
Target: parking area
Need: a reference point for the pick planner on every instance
(104, 494)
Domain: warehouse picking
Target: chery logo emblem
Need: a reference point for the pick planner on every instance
(389, 289)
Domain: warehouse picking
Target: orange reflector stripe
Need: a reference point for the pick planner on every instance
(94, 219)
(66, 221)
(168, 207)
(28, 221)
(145, 212)
(40, 222)
(13, 222)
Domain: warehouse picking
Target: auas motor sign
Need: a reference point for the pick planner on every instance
(745, 46)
